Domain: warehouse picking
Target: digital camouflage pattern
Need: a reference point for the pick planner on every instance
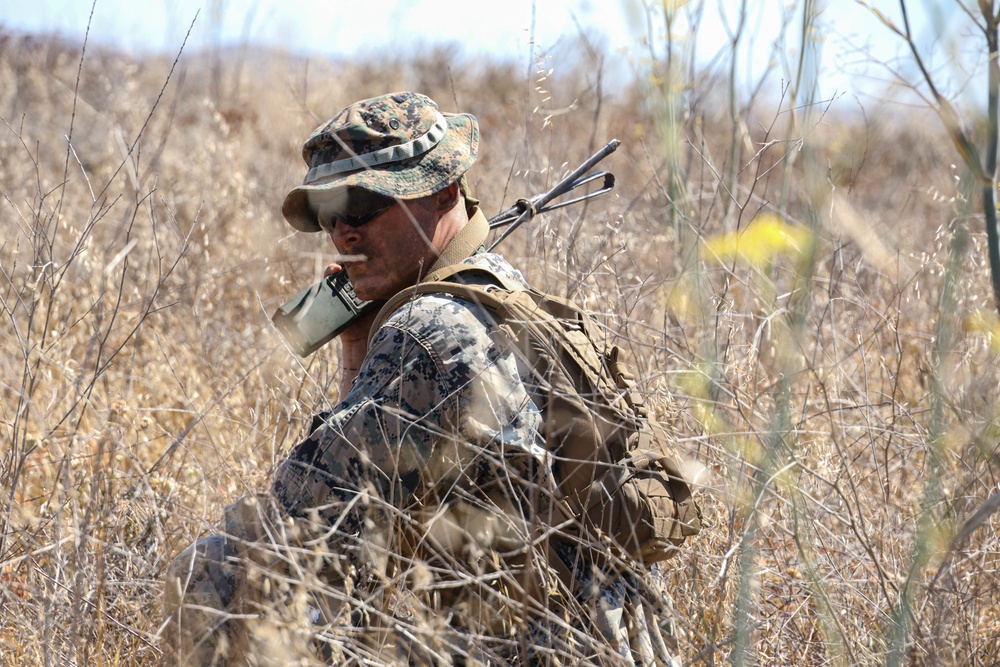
(398, 145)
(413, 499)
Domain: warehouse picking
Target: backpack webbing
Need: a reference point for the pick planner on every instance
(613, 469)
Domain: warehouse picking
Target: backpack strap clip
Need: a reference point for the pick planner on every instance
(625, 380)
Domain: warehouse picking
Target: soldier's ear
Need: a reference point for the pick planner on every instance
(446, 198)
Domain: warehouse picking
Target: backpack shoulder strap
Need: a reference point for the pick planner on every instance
(448, 280)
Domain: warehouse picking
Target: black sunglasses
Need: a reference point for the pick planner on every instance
(362, 207)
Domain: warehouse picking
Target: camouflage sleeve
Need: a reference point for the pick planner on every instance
(434, 391)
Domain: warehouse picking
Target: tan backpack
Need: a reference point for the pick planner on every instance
(613, 470)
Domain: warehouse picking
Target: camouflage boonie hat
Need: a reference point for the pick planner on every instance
(398, 145)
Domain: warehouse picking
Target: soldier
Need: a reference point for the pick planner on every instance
(404, 529)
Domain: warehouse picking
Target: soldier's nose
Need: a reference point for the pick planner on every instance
(344, 235)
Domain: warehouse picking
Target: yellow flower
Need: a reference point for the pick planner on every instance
(985, 323)
(760, 242)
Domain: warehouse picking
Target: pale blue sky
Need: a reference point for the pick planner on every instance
(498, 27)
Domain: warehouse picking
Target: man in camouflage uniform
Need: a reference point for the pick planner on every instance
(401, 530)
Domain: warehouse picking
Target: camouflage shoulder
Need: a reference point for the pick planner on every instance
(497, 264)
(427, 314)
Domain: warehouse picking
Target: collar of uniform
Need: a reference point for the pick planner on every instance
(465, 244)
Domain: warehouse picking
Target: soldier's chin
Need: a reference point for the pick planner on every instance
(377, 285)
(367, 287)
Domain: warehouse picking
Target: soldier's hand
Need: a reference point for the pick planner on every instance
(353, 339)
(357, 331)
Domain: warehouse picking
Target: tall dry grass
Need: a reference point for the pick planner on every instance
(830, 368)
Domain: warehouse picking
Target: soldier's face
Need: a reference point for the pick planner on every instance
(398, 246)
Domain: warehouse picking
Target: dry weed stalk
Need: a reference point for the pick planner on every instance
(840, 429)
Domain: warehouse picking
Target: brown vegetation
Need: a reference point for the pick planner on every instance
(841, 395)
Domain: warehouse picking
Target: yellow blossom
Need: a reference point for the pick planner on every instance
(986, 324)
(758, 244)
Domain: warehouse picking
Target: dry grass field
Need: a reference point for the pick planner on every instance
(805, 296)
